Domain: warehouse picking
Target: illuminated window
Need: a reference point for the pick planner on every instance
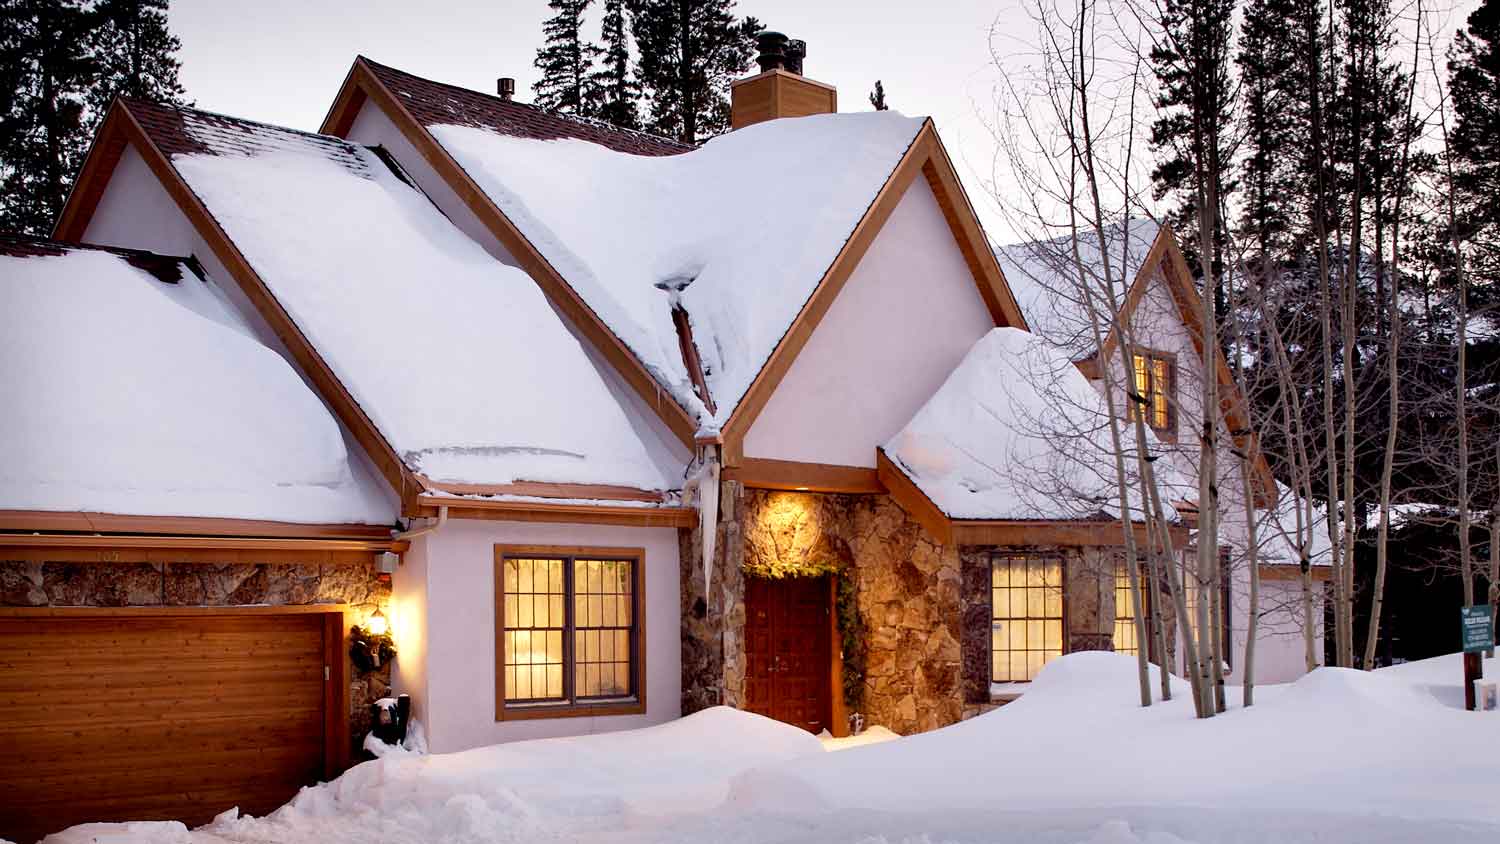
(1026, 601)
(1125, 640)
(568, 629)
(1153, 383)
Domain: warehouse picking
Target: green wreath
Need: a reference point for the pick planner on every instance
(368, 651)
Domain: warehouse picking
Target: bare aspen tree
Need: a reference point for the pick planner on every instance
(1393, 350)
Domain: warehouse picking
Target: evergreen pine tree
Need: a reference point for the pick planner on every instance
(136, 55)
(877, 97)
(566, 61)
(618, 90)
(690, 50)
(1192, 65)
(1474, 80)
(1272, 83)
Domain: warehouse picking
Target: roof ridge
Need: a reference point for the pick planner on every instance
(236, 119)
(590, 122)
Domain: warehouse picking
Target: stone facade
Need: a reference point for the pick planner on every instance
(64, 584)
(924, 607)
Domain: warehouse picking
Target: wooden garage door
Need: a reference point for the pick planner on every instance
(141, 716)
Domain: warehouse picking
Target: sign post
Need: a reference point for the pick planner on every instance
(1478, 637)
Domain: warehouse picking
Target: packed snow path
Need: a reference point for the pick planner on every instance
(1339, 756)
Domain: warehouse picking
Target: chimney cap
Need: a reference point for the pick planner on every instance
(505, 86)
(796, 51)
(772, 46)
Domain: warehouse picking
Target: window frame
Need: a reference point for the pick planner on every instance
(573, 707)
(1167, 431)
(998, 555)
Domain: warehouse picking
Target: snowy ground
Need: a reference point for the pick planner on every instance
(1339, 756)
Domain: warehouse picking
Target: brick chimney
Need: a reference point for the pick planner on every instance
(780, 89)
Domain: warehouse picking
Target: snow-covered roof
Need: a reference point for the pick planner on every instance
(1054, 295)
(1016, 432)
(131, 393)
(458, 359)
(737, 232)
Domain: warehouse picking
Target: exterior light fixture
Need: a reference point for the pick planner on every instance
(377, 625)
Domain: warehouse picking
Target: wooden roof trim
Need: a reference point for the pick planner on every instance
(1165, 256)
(212, 543)
(821, 299)
(792, 475)
(88, 522)
(912, 499)
(1074, 533)
(540, 489)
(327, 383)
(558, 291)
(574, 513)
(1292, 571)
(926, 156)
(104, 154)
(972, 242)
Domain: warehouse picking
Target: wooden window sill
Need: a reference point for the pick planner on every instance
(588, 709)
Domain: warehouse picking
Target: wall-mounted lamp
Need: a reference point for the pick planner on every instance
(377, 624)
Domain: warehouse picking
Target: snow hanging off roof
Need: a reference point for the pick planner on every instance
(458, 359)
(738, 232)
(132, 396)
(1016, 432)
(1051, 291)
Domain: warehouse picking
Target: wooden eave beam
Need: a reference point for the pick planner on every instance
(1292, 572)
(104, 153)
(762, 473)
(537, 489)
(1050, 532)
(912, 499)
(574, 513)
(558, 291)
(127, 548)
(74, 222)
(86, 522)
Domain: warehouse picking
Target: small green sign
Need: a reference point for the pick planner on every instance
(1479, 631)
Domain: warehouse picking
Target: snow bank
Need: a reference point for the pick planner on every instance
(458, 359)
(130, 395)
(1336, 740)
(1016, 432)
(1053, 293)
(739, 231)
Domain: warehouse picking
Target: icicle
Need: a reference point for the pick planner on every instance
(708, 514)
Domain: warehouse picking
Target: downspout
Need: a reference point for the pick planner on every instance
(442, 519)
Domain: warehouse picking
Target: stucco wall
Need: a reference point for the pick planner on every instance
(1158, 325)
(450, 591)
(908, 314)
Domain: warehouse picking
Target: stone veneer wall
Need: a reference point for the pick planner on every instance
(1088, 609)
(907, 590)
(62, 584)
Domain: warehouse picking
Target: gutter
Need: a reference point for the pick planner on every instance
(408, 535)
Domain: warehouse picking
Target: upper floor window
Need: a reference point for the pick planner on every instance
(1154, 375)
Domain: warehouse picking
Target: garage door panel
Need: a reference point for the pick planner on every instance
(147, 717)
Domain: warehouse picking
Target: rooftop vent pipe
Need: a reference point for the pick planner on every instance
(506, 86)
(772, 47)
(796, 51)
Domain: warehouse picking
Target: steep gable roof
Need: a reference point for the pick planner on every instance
(1141, 252)
(133, 388)
(476, 148)
(368, 285)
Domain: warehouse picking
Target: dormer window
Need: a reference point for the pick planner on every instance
(1155, 377)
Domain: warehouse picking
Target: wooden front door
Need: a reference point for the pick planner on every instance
(137, 716)
(787, 650)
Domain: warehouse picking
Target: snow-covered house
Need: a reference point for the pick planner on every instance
(1068, 296)
(604, 427)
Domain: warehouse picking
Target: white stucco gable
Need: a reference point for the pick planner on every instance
(905, 318)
